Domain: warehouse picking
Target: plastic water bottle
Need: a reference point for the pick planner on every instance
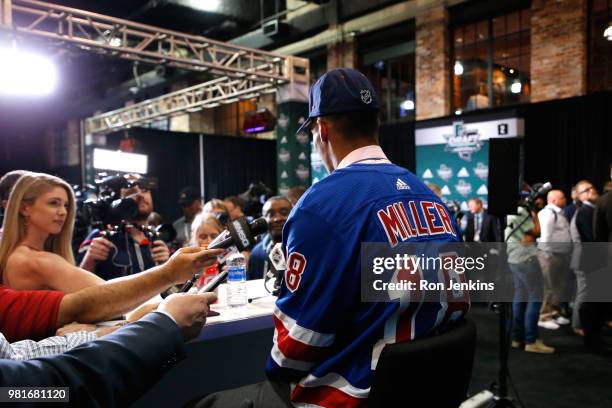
(236, 280)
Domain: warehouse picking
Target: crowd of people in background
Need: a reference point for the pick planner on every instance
(547, 262)
(123, 266)
(39, 212)
(50, 300)
(544, 267)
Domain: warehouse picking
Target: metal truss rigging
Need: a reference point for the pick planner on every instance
(239, 71)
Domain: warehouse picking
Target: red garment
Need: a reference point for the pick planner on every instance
(208, 274)
(28, 314)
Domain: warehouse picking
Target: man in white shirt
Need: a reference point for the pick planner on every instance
(554, 252)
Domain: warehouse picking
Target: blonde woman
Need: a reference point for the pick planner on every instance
(204, 229)
(35, 251)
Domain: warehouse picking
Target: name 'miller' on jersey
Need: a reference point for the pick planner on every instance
(327, 342)
(405, 220)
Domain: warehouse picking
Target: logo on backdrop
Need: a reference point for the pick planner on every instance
(445, 172)
(463, 188)
(482, 171)
(284, 155)
(283, 121)
(303, 137)
(464, 141)
(302, 172)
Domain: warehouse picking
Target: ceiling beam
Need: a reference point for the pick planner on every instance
(134, 41)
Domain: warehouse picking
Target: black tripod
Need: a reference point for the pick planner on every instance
(504, 313)
(500, 388)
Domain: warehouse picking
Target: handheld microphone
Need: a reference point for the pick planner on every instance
(216, 281)
(278, 266)
(277, 257)
(239, 233)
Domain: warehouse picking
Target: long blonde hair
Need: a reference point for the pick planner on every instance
(26, 190)
(203, 217)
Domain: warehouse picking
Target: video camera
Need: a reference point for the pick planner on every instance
(530, 193)
(254, 199)
(111, 213)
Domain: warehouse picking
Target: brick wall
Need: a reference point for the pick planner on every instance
(558, 49)
(342, 54)
(432, 63)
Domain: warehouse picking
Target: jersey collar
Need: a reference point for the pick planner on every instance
(371, 151)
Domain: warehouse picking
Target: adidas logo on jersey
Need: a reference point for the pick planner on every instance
(400, 185)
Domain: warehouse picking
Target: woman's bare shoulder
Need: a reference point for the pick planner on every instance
(30, 260)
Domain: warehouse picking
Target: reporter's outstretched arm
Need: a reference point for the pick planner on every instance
(119, 296)
(112, 371)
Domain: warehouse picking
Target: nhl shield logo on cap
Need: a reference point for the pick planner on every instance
(366, 96)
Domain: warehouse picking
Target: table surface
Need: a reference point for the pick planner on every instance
(231, 351)
(256, 315)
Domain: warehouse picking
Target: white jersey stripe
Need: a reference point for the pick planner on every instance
(335, 380)
(285, 362)
(301, 334)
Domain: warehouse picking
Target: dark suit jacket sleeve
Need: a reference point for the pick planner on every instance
(584, 224)
(112, 371)
(257, 260)
(603, 212)
(468, 234)
(494, 229)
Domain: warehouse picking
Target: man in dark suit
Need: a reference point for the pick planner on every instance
(581, 229)
(602, 218)
(480, 226)
(118, 368)
(570, 210)
(595, 314)
(584, 215)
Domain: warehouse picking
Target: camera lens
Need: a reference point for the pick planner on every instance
(222, 217)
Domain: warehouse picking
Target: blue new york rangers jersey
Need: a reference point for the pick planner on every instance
(327, 341)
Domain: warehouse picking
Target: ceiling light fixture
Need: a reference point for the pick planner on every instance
(23, 73)
(458, 68)
(608, 32)
(407, 105)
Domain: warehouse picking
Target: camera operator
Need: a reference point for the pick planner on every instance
(129, 250)
(235, 207)
(191, 204)
(521, 232)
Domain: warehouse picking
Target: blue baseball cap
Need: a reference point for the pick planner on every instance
(338, 91)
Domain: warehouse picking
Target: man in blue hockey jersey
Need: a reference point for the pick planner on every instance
(327, 341)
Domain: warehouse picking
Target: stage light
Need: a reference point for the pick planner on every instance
(608, 32)
(407, 105)
(120, 161)
(458, 68)
(516, 87)
(458, 112)
(204, 5)
(115, 42)
(257, 121)
(23, 73)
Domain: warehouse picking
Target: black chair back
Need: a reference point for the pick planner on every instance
(429, 372)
